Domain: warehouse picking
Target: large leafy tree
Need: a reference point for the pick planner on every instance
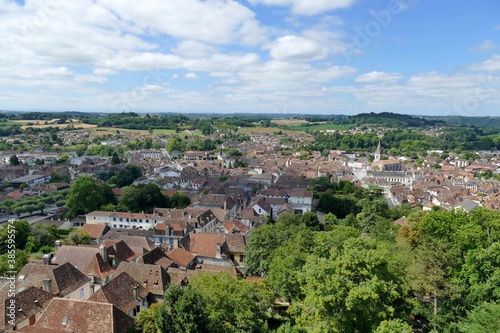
(484, 318)
(265, 240)
(352, 291)
(127, 176)
(286, 263)
(234, 305)
(86, 196)
(143, 198)
(310, 220)
(14, 160)
(22, 232)
(185, 311)
(78, 236)
(179, 200)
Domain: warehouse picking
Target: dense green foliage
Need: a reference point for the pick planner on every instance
(389, 119)
(408, 142)
(210, 303)
(28, 239)
(365, 276)
(86, 196)
(143, 198)
(126, 176)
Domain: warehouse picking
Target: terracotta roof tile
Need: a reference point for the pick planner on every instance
(64, 278)
(181, 257)
(87, 259)
(96, 230)
(205, 244)
(138, 244)
(119, 292)
(156, 257)
(29, 302)
(152, 277)
(83, 316)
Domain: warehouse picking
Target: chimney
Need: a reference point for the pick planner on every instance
(47, 285)
(115, 248)
(218, 251)
(58, 244)
(47, 259)
(225, 204)
(91, 277)
(176, 242)
(134, 289)
(104, 252)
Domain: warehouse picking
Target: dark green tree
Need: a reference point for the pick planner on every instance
(143, 198)
(310, 220)
(482, 319)
(185, 311)
(234, 305)
(179, 200)
(14, 160)
(86, 196)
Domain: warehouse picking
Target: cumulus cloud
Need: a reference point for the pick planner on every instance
(490, 65)
(378, 77)
(104, 71)
(485, 46)
(295, 48)
(302, 7)
(216, 22)
(191, 76)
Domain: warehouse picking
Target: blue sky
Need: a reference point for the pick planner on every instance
(262, 56)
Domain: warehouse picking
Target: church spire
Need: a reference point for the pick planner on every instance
(378, 152)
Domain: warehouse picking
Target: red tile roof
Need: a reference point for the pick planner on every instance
(181, 257)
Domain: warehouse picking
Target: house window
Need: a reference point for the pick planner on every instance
(121, 219)
(114, 218)
(82, 293)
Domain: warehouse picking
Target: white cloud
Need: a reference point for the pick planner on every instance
(463, 94)
(303, 7)
(287, 78)
(191, 76)
(143, 61)
(194, 49)
(378, 77)
(490, 65)
(104, 71)
(485, 46)
(215, 22)
(294, 48)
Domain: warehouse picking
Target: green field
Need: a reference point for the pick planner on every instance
(250, 130)
(322, 127)
(164, 131)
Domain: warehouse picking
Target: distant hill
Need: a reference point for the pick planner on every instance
(469, 121)
(389, 119)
